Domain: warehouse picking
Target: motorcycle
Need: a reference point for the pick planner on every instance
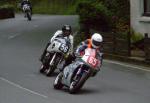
(75, 75)
(27, 11)
(56, 52)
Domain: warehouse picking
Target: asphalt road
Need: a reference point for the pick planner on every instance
(21, 44)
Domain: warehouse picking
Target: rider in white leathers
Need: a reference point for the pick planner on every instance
(66, 33)
(60, 33)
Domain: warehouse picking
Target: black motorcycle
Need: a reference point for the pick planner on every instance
(27, 11)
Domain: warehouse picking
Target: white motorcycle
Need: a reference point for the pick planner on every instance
(56, 52)
(75, 75)
(27, 11)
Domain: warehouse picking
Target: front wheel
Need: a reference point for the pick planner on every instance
(42, 68)
(29, 15)
(50, 71)
(76, 85)
(57, 82)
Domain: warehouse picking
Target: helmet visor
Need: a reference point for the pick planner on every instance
(67, 33)
(96, 43)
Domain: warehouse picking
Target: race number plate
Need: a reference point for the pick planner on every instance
(92, 61)
(64, 48)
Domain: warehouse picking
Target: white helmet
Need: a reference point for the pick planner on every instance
(96, 39)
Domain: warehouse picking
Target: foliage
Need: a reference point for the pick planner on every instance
(59, 7)
(94, 14)
(136, 36)
(6, 6)
(120, 10)
(78, 38)
(103, 15)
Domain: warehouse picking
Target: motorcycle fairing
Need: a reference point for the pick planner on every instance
(69, 71)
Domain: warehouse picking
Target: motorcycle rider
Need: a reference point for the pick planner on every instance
(94, 42)
(23, 2)
(66, 32)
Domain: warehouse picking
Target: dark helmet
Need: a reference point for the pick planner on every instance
(66, 29)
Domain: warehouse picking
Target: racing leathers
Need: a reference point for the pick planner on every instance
(26, 2)
(87, 44)
(57, 34)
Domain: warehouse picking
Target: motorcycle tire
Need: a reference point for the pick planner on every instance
(77, 85)
(50, 71)
(57, 82)
(29, 16)
(42, 69)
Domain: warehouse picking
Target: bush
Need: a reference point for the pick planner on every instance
(6, 11)
(94, 15)
(47, 6)
(6, 6)
(79, 38)
(136, 36)
(104, 15)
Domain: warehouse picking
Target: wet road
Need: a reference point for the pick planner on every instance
(21, 43)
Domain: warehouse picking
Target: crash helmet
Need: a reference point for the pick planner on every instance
(96, 40)
(66, 29)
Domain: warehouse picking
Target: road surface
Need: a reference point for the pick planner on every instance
(21, 44)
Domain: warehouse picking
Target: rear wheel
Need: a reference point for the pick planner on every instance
(57, 82)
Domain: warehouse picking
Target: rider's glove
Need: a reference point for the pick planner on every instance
(82, 53)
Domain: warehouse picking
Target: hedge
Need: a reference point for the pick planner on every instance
(6, 11)
(94, 15)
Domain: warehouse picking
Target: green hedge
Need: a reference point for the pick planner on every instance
(94, 15)
(6, 6)
(7, 11)
(104, 15)
(59, 7)
(135, 37)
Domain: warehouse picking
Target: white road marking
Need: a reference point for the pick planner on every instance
(128, 65)
(18, 86)
(13, 36)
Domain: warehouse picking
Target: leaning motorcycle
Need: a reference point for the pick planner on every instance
(27, 11)
(75, 75)
(56, 52)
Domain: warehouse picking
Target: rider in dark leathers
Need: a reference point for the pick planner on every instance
(23, 2)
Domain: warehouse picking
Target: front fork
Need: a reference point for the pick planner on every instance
(79, 73)
(52, 60)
